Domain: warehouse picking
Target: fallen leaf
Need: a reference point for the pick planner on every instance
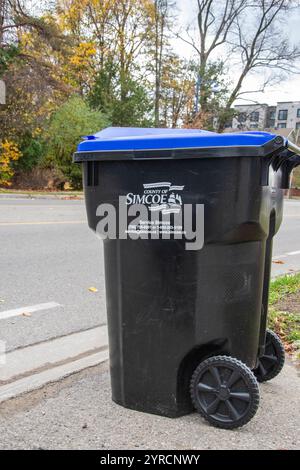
(26, 314)
(278, 262)
(289, 348)
(93, 289)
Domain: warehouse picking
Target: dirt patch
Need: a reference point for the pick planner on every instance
(291, 304)
(284, 319)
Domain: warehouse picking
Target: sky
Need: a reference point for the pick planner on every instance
(287, 90)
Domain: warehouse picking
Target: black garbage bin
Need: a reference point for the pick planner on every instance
(187, 317)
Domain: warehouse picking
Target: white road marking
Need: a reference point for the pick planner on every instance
(48, 353)
(31, 309)
(54, 374)
(285, 255)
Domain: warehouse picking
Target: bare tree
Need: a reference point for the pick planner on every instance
(250, 31)
(121, 29)
(262, 45)
(215, 20)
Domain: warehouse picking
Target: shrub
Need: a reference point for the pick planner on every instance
(73, 120)
(9, 153)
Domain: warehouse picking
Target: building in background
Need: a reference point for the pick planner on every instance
(271, 117)
(288, 115)
(260, 116)
(284, 119)
(250, 117)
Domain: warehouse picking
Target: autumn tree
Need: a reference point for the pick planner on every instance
(9, 153)
(32, 50)
(96, 49)
(177, 91)
(120, 31)
(34, 71)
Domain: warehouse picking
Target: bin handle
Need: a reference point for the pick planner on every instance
(293, 148)
(287, 160)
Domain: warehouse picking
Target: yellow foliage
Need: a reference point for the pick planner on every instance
(36, 132)
(9, 152)
(83, 53)
(70, 12)
(26, 39)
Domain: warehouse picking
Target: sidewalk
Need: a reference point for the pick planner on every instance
(78, 413)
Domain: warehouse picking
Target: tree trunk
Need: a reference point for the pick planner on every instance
(2, 12)
(160, 22)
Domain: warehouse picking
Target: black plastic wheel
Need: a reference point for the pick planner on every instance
(225, 392)
(271, 363)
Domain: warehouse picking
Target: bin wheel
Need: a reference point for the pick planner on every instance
(271, 363)
(225, 392)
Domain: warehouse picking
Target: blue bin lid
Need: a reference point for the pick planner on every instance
(132, 143)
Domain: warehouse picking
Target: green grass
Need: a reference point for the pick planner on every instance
(282, 286)
(285, 323)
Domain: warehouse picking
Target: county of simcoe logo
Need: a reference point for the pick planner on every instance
(160, 197)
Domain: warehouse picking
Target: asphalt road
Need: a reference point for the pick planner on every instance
(48, 254)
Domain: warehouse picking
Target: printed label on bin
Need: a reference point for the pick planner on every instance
(157, 212)
(161, 197)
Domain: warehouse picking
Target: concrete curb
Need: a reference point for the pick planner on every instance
(33, 366)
